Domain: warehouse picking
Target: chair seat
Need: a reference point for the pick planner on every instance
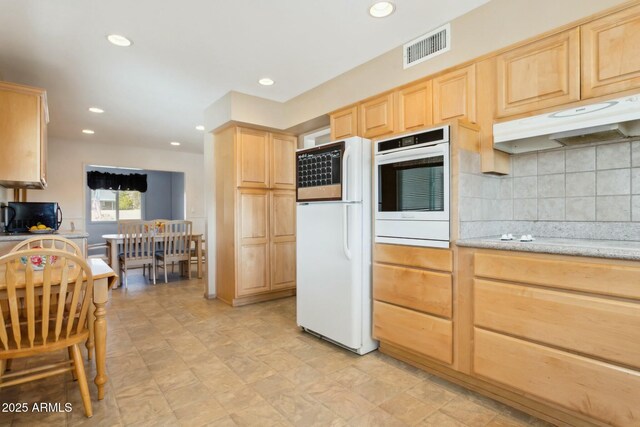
(139, 255)
(25, 346)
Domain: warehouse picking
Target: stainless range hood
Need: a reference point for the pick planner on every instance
(614, 120)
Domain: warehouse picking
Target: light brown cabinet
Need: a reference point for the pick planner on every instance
(255, 215)
(344, 123)
(377, 116)
(561, 329)
(454, 95)
(282, 167)
(23, 136)
(413, 300)
(611, 53)
(415, 106)
(541, 74)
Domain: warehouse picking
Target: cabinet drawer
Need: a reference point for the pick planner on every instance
(418, 332)
(412, 256)
(417, 289)
(607, 329)
(602, 278)
(596, 389)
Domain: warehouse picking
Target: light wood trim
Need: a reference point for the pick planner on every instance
(610, 56)
(593, 388)
(323, 192)
(581, 275)
(252, 155)
(416, 289)
(225, 194)
(418, 332)
(463, 309)
(415, 106)
(604, 328)
(377, 116)
(454, 95)
(252, 299)
(344, 123)
(283, 161)
(413, 256)
(542, 74)
(491, 160)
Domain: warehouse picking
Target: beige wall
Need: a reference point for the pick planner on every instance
(492, 26)
(66, 177)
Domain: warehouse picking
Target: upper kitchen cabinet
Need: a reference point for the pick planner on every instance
(611, 53)
(283, 153)
(344, 123)
(538, 75)
(377, 116)
(415, 106)
(23, 136)
(253, 158)
(454, 95)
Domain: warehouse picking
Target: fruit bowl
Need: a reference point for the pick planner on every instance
(43, 231)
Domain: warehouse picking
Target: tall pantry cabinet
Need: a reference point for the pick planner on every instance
(255, 215)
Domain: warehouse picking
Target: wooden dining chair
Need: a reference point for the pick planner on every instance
(49, 242)
(45, 297)
(176, 246)
(138, 247)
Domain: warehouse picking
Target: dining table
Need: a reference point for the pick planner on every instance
(104, 278)
(114, 241)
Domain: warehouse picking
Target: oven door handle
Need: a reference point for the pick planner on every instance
(345, 173)
(345, 231)
(418, 153)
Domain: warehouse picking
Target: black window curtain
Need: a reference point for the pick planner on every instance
(116, 181)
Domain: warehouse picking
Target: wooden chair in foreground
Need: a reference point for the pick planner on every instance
(49, 242)
(176, 245)
(45, 298)
(138, 246)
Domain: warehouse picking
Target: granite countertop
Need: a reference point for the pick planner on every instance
(617, 249)
(8, 237)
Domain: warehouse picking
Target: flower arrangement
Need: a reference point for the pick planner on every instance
(38, 261)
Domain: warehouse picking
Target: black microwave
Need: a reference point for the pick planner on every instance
(22, 215)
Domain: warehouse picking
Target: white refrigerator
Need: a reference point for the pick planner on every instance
(334, 243)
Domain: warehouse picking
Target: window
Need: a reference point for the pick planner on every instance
(113, 205)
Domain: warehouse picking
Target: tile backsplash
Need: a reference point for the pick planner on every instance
(588, 191)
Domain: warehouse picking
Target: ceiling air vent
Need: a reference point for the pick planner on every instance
(427, 46)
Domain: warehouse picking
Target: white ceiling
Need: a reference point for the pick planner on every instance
(189, 53)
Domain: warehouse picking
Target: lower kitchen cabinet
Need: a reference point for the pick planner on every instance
(555, 336)
(412, 307)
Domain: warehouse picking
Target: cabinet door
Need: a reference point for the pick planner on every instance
(454, 95)
(253, 237)
(611, 53)
(283, 158)
(252, 158)
(344, 123)
(539, 75)
(376, 116)
(415, 107)
(22, 136)
(283, 239)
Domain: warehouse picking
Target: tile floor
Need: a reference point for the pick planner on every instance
(175, 358)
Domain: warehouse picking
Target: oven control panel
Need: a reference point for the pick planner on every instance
(319, 168)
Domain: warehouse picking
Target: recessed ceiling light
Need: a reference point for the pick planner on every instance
(199, 127)
(119, 40)
(174, 143)
(266, 81)
(88, 131)
(96, 110)
(381, 9)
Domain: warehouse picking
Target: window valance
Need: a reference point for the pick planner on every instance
(115, 181)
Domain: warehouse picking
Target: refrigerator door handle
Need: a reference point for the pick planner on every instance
(345, 231)
(345, 173)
